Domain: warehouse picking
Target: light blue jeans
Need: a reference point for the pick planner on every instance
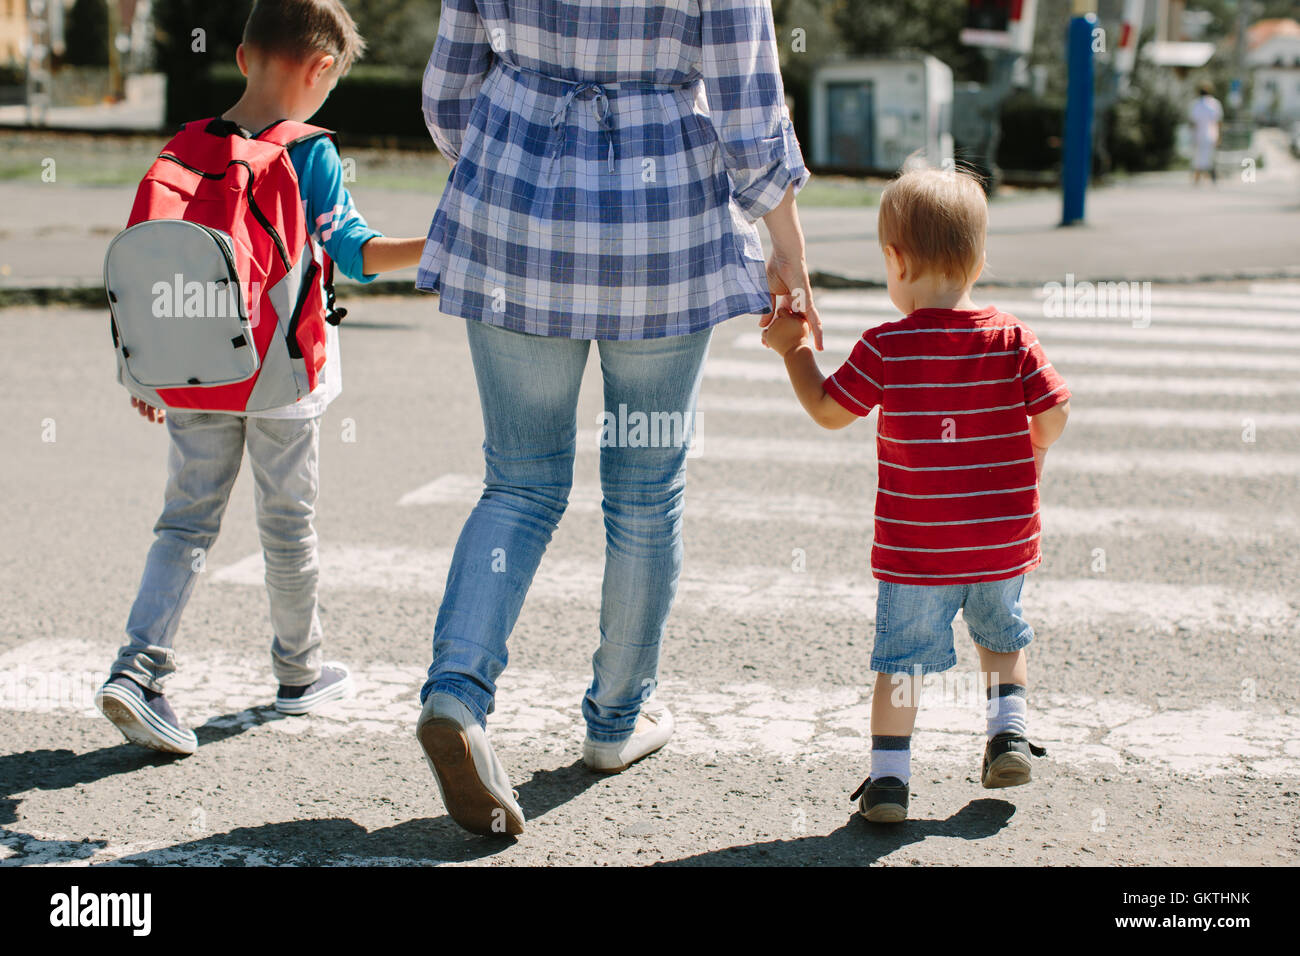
(203, 461)
(528, 387)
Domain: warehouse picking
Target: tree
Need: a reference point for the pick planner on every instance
(398, 32)
(86, 34)
(929, 26)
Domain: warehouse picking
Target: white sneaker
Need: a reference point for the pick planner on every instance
(654, 726)
(471, 781)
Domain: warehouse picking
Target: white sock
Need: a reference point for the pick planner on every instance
(891, 757)
(1008, 709)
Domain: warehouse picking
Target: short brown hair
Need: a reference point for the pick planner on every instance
(938, 219)
(299, 29)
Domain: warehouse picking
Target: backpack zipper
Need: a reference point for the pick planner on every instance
(295, 350)
(252, 204)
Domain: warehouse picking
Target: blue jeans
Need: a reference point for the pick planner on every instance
(528, 387)
(203, 461)
(914, 623)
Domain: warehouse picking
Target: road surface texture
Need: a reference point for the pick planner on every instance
(1163, 675)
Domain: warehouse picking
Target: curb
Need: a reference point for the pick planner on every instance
(92, 296)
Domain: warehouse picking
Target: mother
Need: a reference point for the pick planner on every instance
(610, 160)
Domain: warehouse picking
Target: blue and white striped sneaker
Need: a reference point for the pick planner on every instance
(335, 681)
(144, 716)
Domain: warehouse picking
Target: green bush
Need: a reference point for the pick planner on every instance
(87, 34)
(1031, 133)
(371, 101)
(1141, 132)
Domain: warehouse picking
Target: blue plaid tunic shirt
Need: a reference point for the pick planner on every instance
(611, 158)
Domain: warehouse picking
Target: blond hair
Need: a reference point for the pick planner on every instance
(938, 219)
(299, 29)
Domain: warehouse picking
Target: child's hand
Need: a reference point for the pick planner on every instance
(148, 411)
(786, 332)
(1040, 456)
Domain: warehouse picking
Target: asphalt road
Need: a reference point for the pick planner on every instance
(1164, 674)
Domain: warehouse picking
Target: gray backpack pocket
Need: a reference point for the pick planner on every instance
(179, 315)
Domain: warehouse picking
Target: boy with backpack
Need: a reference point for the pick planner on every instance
(969, 405)
(223, 315)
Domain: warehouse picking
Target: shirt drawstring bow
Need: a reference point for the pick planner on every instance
(599, 108)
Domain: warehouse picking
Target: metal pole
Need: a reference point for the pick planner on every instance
(115, 84)
(1077, 158)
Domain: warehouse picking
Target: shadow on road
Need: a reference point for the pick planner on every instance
(314, 842)
(859, 843)
(325, 842)
(62, 769)
(340, 841)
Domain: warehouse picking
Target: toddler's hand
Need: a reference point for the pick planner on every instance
(787, 331)
(148, 411)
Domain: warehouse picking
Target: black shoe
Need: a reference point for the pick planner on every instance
(1006, 760)
(883, 800)
(144, 716)
(335, 681)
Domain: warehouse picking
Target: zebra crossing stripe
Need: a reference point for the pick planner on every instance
(715, 718)
(710, 505)
(1245, 462)
(1156, 334)
(1169, 309)
(1100, 600)
(1065, 356)
(1080, 384)
(1165, 419)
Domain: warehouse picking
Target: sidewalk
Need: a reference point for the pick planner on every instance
(1156, 228)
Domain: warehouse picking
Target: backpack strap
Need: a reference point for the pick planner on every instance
(289, 134)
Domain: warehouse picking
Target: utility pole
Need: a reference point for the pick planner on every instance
(1237, 93)
(1077, 159)
(39, 43)
(116, 85)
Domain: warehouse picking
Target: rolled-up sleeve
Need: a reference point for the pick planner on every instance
(742, 78)
(462, 55)
(332, 216)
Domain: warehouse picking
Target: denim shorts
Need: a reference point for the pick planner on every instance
(914, 623)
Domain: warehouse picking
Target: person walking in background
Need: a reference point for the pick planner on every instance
(611, 158)
(1205, 115)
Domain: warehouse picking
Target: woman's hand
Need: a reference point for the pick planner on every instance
(787, 279)
(787, 269)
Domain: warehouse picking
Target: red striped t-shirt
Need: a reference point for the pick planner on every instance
(957, 495)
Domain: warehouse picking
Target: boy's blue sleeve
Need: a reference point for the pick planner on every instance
(332, 217)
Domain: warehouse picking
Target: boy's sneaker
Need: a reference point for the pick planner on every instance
(883, 800)
(335, 681)
(1006, 760)
(473, 785)
(654, 725)
(144, 716)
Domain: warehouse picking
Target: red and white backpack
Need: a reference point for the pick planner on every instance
(219, 296)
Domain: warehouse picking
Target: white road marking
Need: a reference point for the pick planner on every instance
(540, 710)
(1178, 419)
(1168, 309)
(1156, 334)
(1245, 462)
(751, 589)
(1086, 384)
(812, 511)
(1121, 356)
